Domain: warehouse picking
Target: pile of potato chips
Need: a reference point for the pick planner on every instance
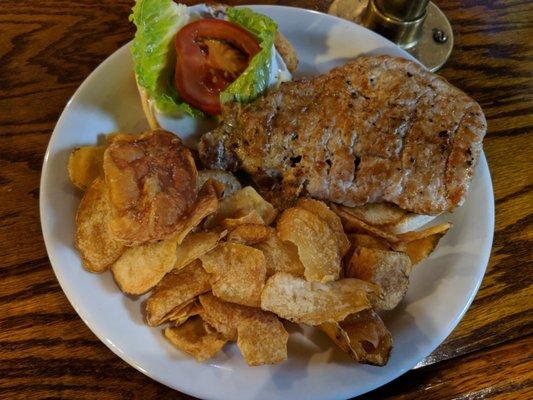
(224, 265)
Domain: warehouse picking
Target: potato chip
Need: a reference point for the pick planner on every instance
(221, 315)
(262, 338)
(260, 335)
(152, 183)
(177, 288)
(317, 244)
(353, 224)
(314, 303)
(250, 234)
(280, 256)
(239, 273)
(419, 245)
(363, 336)
(206, 204)
(181, 314)
(252, 217)
(98, 247)
(196, 339)
(409, 222)
(323, 211)
(389, 270)
(231, 184)
(371, 242)
(140, 268)
(376, 213)
(195, 245)
(241, 204)
(85, 164)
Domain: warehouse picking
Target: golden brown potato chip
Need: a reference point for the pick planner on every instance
(286, 51)
(195, 245)
(260, 335)
(140, 268)
(409, 222)
(363, 336)
(250, 234)
(152, 182)
(353, 224)
(221, 315)
(419, 245)
(239, 273)
(177, 288)
(376, 214)
(252, 217)
(262, 338)
(280, 256)
(181, 314)
(316, 242)
(323, 211)
(85, 164)
(98, 247)
(241, 204)
(389, 270)
(314, 303)
(231, 184)
(371, 242)
(206, 205)
(196, 339)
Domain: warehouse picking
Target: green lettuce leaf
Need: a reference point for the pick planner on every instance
(255, 78)
(157, 23)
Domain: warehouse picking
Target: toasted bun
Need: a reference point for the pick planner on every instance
(286, 51)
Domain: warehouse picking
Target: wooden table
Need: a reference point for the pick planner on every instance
(48, 48)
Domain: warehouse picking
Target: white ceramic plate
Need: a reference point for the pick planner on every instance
(441, 288)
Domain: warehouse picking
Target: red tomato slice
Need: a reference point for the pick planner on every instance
(211, 53)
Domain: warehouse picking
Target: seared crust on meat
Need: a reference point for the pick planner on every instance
(376, 129)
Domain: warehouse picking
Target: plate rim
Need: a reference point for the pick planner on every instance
(198, 393)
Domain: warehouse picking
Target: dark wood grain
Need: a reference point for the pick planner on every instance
(47, 48)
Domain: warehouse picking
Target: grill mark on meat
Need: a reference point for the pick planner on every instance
(377, 129)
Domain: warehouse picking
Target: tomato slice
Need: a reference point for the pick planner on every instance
(210, 54)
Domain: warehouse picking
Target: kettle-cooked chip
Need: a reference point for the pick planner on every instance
(239, 273)
(242, 203)
(363, 336)
(250, 234)
(196, 338)
(231, 184)
(314, 303)
(221, 315)
(323, 211)
(353, 224)
(195, 245)
(177, 288)
(419, 245)
(317, 244)
(280, 256)
(262, 338)
(85, 164)
(140, 268)
(376, 213)
(152, 182)
(206, 205)
(252, 217)
(389, 270)
(98, 247)
(371, 242)
(181, 314)
(260, 335)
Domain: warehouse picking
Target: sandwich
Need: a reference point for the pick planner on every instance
(192, 61)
